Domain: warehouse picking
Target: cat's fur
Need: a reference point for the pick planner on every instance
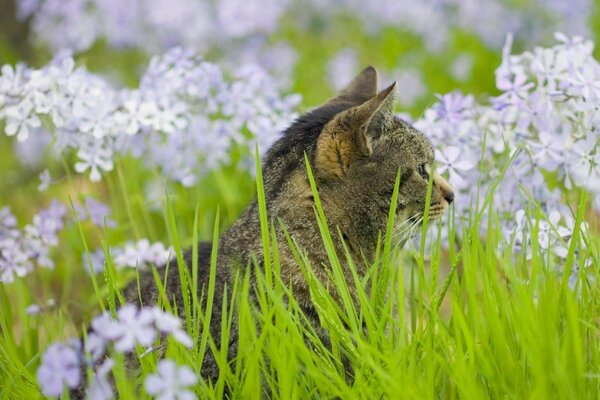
(356, 147)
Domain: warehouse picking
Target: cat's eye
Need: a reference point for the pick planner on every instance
(423, 172)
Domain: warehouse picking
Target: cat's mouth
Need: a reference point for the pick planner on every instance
(436, 211)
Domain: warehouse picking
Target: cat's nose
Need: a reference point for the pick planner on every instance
(449, 196)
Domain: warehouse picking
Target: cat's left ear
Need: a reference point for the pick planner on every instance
(349, 135)
(362, 88)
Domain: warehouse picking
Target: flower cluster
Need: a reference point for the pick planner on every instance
(544, 125)
(171, 382)
(183, 104)
(131, 255)
(22, 249)
(62, 362)
(78, 24)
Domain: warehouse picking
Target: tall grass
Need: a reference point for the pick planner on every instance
(475, 321)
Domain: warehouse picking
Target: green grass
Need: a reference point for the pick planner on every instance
(472, 322)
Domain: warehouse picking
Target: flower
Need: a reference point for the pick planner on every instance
(20, 119)
(131, 327)
(45, 180)
(100, 387)
(60, 367)
(140, 253)
(171, 382)
(98, 212)
(168, 323)
(449, 160)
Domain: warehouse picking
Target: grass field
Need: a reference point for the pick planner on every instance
(465, 317)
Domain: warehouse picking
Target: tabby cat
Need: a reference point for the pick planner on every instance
(356, 147)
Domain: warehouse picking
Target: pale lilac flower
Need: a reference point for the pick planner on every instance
(171, 382)
(342, 68)
(14, 261)
(33, 309)
(140, 253)
(454, 107)
(20, 119)
(132, 327)
(94, 158)
(167, 323)
(98, 212)
(548, 150)
(100, 387)
(60, 367)
(412, 84)
(95, 344)
(45, 180)
(97, 260)
(452, 160)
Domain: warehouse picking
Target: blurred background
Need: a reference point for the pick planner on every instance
(311, 47)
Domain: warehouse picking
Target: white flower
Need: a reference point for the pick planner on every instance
(20, 119)
(455, 161)
(171, 382)
(94, 158)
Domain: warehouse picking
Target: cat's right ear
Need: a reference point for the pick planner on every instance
(362, 88)
(348, 136)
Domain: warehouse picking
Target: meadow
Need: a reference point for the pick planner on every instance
(128, 134)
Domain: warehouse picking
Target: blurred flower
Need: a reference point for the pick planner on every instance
(33, 309)
(100, 387)
(98, 212)
(132, 327)
(412, 86)
(171, 382)
(167, 323)
(20, 119)
(140, 253)
(342, 67)
(60, 367)
(45, 180)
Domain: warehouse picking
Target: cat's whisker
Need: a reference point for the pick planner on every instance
(401, 233)
(402, 225)
(408, 231)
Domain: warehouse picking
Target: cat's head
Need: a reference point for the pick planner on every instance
(357, 147)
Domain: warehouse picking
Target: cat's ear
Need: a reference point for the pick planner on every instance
(348, 136)
(362, 88)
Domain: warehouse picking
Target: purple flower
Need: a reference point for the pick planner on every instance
(60, 367)
(100, 387)
(131, 327)
(453, 107)
(167, 323)
(140, 253)
(97, 260)
(45, 180)
(14, 261)
(452, 160)
(171, 382)
(97, 212)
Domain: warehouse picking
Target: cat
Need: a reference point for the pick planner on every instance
(356, 146)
